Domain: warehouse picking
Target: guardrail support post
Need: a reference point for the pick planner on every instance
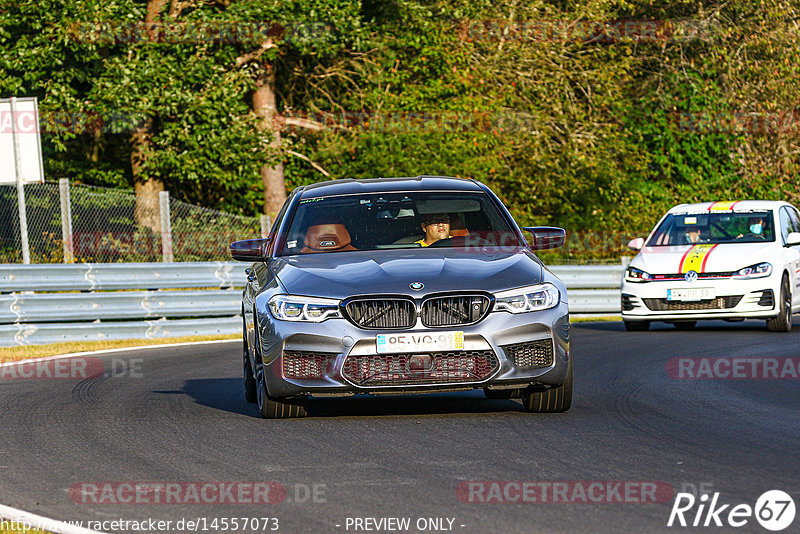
(66, 219)
(265, 224)
(166, 227)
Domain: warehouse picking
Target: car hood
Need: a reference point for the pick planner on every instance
(343, 274)
(720, 258)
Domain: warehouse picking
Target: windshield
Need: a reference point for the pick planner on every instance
(377, 221)
(714, 228)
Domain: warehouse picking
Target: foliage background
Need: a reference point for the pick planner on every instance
(600, 137)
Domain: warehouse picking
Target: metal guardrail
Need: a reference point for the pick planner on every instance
(64, 307)
(589, 276)
(39, 334)
(109, 301)
(107, 276)
(594, 301)
(51, 303)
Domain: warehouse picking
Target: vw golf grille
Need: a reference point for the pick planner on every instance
(719, 303)
(385, 313)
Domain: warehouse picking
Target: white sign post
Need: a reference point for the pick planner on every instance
(21, 154)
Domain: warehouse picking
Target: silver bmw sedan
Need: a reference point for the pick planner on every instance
(398, 286)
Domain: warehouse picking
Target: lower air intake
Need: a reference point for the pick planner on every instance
(423, 368)
(767, 299)
(306, 365)
(531, 354)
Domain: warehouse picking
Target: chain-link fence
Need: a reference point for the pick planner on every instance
(200, 234)
(112, 225)
(44, 224)
(104, 227)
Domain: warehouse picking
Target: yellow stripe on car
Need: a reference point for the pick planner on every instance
(694, 259)
(722, 206)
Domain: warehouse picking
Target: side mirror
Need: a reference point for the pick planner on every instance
(793, 239)
(547, 237)
(249, 249)
(636, 244)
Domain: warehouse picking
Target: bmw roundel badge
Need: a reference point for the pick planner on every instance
(416, 286)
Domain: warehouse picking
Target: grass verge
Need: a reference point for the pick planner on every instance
(593, 318)
(26, 352)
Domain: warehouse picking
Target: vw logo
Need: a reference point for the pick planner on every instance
(691, 276)
(416, 286)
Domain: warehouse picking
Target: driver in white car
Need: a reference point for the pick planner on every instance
(756, 228)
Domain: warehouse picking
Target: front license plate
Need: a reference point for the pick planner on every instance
(420, 342)
(694, 294)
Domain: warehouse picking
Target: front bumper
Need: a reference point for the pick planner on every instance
(339, 339)
(736, 299)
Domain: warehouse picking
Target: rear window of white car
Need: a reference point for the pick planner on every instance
(714, 228)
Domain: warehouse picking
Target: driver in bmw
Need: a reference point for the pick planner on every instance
(436, 226)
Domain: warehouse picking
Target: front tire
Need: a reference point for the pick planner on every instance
(783, 322)
(278, 408)
(553, 400)
(637, 326)
(250, 387)
(249, 381)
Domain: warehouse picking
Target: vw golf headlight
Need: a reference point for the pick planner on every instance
(632, 274)
(527, 299)
(762, 270)
(308, 309)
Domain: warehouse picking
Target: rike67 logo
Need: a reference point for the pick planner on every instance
(774, 510)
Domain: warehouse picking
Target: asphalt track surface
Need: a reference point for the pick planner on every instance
(181, 417)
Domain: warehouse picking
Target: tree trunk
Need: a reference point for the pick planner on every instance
(265, 107)
(146, 212)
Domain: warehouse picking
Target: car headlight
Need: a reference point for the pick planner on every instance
(308, 309)
(527, 299)
(762, 270)
(632, 274)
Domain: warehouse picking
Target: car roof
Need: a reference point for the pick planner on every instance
(735, 206)
(387, 185)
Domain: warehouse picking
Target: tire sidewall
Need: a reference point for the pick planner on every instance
(786, 302)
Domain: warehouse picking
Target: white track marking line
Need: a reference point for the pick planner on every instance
(42, 523)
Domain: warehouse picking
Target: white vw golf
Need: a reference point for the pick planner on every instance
(716, 260)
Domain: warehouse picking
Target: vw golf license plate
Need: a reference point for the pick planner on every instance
(420, 342)
(693, 294)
